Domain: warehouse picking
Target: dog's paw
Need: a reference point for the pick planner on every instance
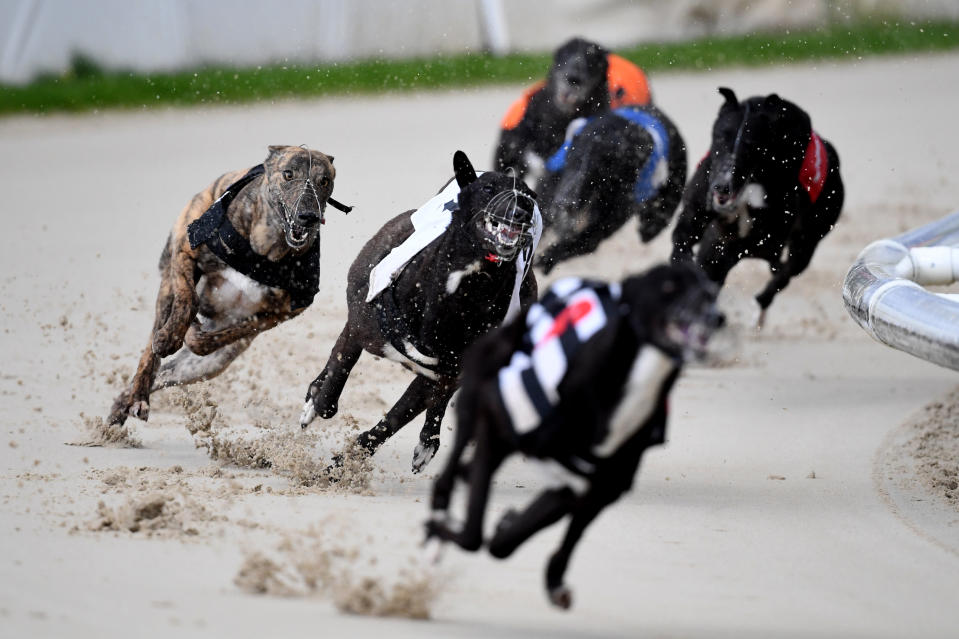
(140, 410)
(117, 417)
(308, 414)
(432, 552)
(120, 410)
(561, 597)
(423, 454)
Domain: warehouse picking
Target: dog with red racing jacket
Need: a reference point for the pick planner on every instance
(769, 188)
(579, 382)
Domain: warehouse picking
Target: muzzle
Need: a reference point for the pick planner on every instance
(507, 223)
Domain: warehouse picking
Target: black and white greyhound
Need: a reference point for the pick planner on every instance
(580, 382)
(425, 287)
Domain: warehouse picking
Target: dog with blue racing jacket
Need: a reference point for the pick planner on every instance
(579, 382)
(620, 164)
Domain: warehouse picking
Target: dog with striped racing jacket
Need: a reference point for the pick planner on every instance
(769, 188)
(579, 382)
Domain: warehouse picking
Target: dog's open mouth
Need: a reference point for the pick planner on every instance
(724, 202)
(690, 331)
(298, 236)
(505, 238)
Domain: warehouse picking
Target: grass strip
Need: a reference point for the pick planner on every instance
(86, 86)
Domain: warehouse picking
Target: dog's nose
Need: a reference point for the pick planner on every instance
(307, 217)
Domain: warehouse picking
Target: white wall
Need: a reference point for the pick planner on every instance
(158, 35)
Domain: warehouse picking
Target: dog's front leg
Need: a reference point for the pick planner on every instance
(323, 395)
(584, 513)
(203, 342)
(413, 402)
(489, 454)
(694, 216)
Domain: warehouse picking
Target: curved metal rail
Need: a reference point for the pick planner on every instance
(883, 291)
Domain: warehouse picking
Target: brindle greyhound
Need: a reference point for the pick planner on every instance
(435, 302)
(243, 256)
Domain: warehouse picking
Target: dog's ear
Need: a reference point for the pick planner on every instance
(772, 100)
(276, 148)
(330, 158)
(730, 96)
(463, 169)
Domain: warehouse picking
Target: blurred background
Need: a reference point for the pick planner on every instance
(45, 36)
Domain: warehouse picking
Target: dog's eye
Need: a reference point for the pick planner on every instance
(324, 181)
(287, 175)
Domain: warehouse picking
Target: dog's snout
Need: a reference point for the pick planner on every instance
(721, 186)
(307, 218)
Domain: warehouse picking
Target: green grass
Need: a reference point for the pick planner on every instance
(86, 86)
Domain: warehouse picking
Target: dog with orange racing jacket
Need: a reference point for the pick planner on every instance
(583, 80)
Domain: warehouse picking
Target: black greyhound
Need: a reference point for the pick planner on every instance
(424, 287)
(769, 188)
(622, 163)
(583, 80)
(581, 381)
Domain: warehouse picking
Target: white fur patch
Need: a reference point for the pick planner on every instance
(391, 353)
(456, 277)
(236, 296)
(754, 195)
(555, 475)
(640, 394)
(536, 169)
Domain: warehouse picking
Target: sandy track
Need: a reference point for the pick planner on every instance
(779, 507)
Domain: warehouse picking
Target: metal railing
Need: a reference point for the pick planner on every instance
(883, 291)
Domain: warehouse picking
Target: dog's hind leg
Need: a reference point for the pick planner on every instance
(323, 395)
(466, 423)
(135, 400)
(430, 433)
(414, 401)
(186, 367)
